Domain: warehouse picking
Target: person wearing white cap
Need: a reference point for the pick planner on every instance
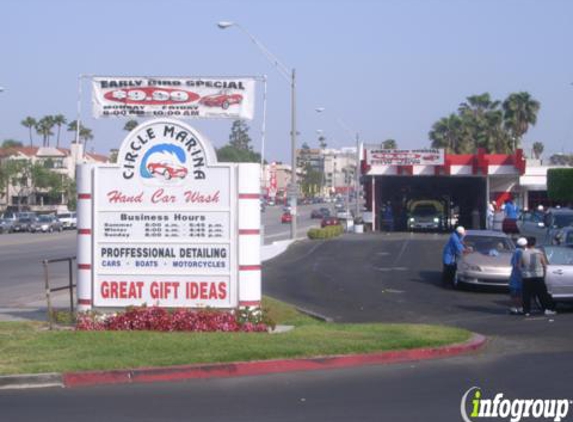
(452, 250)
(515, 283)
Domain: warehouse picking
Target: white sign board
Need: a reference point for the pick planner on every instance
(181, 98)
(403, 157)
(164, 226)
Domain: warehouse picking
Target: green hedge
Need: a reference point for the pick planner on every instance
(326, 232)
(560, 184)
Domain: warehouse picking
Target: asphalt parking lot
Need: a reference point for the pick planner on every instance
(396, 278)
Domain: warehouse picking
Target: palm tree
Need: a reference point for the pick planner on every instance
(85, 135)
(30, 123)
(449, 133)
(389, 144)
(520, 111)
(538, 148)
(130, 125)
(59, 120)
(44, 127)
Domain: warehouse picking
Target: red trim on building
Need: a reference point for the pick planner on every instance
(249, 231)
(250, 303)
(85, 231)
(249, 196)
(84, 266)
(249, 268)
(84, 302)
(84, 196)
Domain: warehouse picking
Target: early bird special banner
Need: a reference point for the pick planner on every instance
(180, 98)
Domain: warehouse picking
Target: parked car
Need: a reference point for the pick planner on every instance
(69, 220)
(46, 224)
(6, 225)
(489, 262)
(559, 275)
(320, 213)
(286, 217)
(564, 237)
(329, 221)
(23, 224)
(554, 220)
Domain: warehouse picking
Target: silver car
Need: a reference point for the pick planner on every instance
(489, 262)
(544, 228)
(559, 275)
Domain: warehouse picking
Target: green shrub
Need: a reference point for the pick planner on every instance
(325, 233)
(559, 183)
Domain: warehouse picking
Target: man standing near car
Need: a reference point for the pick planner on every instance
(453, 249)
(533, 267)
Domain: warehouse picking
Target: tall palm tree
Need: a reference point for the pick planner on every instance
(30, 123)
(449, 133)
(520, 112)
(59, 120)
(85, 136)
(44, 127)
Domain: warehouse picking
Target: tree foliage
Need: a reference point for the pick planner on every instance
(11, 143)
(559, 182)
(390, 144)
(130, 125)
(239, 148)
(481, 122)
(538, 148)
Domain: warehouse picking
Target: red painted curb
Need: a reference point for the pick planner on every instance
(237, 369)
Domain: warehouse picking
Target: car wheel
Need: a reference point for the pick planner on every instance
(225, 105)
(167, 175)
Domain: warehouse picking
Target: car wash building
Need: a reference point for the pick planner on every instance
(459, 185)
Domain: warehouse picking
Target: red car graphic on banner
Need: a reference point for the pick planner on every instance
(151, 96)
(167, 170)
(222, 99)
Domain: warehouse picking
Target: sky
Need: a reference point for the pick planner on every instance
(380, 69)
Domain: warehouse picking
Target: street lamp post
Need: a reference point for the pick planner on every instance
(357, 172)
(290, 76)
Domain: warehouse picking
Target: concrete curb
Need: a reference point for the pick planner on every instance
(238, 369)
(31, 381)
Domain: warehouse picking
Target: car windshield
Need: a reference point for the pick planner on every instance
(25, 220)
(44, 218)
(569, 237)
(425, 210)
(563, 220)
(488, 245)
(559, 256)
(64, 215)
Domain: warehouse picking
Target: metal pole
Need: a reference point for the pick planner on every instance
(294, 192)
(357, 174)
(71, 285)
(47, 287)
(79, 116)
(263, 133)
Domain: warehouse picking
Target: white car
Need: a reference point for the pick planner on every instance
(559, 276)
(69, 220)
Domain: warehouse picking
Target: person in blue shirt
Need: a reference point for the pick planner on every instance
(452, 250)
(515, 282)
(511, 210)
